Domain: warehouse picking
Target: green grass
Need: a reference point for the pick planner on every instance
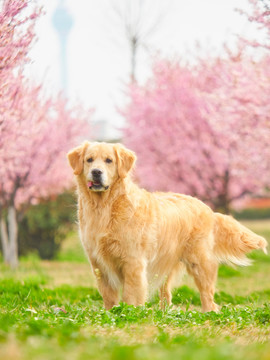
(52, 310)
(71, 318)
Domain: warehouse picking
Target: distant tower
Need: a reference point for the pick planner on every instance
(62, 21)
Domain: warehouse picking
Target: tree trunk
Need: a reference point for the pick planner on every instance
(226, 206)
(222, 203)
(13, 237)
(226, 203)
(4, 238)
(222, 206)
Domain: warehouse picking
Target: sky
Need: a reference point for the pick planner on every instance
(98, 53)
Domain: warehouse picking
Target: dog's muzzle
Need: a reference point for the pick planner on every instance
(96, 182)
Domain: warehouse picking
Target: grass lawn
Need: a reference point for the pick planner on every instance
(52, 310)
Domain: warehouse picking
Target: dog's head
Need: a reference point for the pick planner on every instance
(101, 164)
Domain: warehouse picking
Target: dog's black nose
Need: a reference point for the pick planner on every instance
(96, 173)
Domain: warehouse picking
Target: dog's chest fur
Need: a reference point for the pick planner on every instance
(105, 246)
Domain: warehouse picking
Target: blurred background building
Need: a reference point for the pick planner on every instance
(63, 22)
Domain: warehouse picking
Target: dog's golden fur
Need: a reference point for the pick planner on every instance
(138, 241)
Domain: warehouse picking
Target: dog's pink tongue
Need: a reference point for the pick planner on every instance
(90, 184)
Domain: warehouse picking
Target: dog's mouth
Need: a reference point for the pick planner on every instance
(96, 185)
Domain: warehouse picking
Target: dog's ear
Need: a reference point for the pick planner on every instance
(125, 159)
(75, 158)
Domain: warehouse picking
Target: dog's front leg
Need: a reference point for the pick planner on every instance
(135, 282)
(109, 294)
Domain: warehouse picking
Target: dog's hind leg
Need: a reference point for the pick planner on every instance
(165, 290)
(204, 271)
(165, 294)
(203, 266)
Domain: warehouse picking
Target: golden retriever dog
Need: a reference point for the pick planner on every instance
(138, 241)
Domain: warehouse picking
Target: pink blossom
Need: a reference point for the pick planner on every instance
(203, 130)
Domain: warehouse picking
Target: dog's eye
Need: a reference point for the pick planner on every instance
(89, 160)
(108, 161)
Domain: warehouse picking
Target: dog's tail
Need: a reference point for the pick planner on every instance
(233, 241)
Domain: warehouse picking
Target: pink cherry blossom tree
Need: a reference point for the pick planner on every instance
(204, 129)
(35, 131)
(259, 14)
(17, 32)
(33, 156)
